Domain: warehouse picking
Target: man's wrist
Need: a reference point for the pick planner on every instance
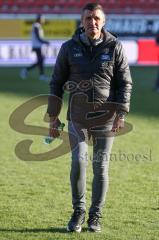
(121, 115)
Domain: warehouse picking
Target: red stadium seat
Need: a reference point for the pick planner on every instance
(74, 6)
(1, 3)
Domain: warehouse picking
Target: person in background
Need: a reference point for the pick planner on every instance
(37, 41)
(93, 62)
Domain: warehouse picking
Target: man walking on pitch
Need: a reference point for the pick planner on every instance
(37, 43)
(93, 67)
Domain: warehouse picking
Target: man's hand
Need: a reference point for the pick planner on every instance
(54, 124)
(117, 124)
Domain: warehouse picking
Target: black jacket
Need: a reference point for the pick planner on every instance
(100, 72)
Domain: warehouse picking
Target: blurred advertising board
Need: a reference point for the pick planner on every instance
(133, 25)
(21, 28)
(62, 27)
(148, 52)
(18, 52)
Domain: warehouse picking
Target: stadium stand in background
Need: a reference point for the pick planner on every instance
(74, 6)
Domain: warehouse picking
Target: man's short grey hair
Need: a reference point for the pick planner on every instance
(92, 7)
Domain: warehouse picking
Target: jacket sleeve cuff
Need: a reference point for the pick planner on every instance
(121, 114)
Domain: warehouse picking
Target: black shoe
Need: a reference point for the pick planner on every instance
(94, 224)
(76, 221)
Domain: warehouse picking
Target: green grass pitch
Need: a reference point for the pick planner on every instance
(35, 198)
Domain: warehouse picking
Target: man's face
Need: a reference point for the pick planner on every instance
(93, 21)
